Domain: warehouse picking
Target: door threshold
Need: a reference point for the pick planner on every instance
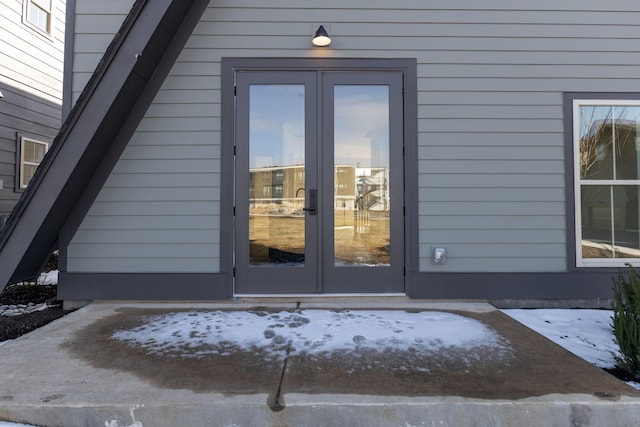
(328, 295)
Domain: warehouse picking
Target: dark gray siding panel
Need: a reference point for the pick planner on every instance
(21, 114)
(136, 286)
(20, 105)
(587, 285)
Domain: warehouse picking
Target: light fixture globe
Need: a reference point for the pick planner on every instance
(321, 38)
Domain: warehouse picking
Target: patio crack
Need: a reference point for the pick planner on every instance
(276, 402)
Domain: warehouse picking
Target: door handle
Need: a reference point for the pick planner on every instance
(313, 203)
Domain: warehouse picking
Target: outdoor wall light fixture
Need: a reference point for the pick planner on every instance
(321, 38)
(1, 95)
(439, 255)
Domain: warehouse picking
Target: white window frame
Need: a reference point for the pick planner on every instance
(51, 17)
(23, 140)
(578, 182)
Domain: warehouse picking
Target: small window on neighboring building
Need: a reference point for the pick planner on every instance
(38, 14)
(31, 154)
(606, 137)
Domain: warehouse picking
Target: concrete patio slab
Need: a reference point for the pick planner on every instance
(73, 373)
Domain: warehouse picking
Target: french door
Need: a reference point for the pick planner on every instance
(319, 182)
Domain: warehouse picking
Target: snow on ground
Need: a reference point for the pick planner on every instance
(48, 278)
(586, 333)
(312, 332)
(5, 424)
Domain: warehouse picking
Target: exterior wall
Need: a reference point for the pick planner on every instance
(491, 145)
(94, 25)
(158, 211)
(31, 69)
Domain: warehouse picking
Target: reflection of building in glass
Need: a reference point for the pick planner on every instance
(609, 150)
(373, 188)
(277, 188)
(282, 188)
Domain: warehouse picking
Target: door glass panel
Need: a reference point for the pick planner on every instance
(361, 176)
(276, 175)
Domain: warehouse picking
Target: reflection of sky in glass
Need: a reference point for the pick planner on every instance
(594, 116)
(276, 125)
(361, 125)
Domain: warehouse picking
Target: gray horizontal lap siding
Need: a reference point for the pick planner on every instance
(491, 167)
(158, 210)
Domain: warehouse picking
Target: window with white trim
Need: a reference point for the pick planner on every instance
(38, 14)
(606, 137)
(31, 154)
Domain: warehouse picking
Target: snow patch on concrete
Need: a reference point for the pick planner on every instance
(310, 332)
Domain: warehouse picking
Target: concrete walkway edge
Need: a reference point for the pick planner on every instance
(44, 382)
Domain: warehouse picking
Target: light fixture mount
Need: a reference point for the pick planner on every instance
(321, 37)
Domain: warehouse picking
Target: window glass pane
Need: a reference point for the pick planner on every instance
(38, 17)
(32, 154)
(625, 221)
(610, 221)
(39, 152)
(276, 175)
(625, 124)
(45, 4)
(596, 142)
(33, 151)
(596, 221)
(28, 150)
(609, 142)
(27, 173)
